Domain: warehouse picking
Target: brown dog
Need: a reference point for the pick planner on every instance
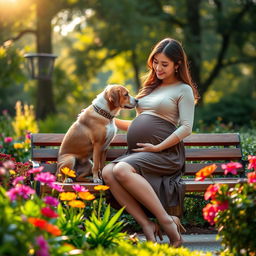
(89, 136)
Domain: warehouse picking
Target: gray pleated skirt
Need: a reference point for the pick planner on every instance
(163, 170)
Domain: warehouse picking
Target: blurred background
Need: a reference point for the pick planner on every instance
(108, 41)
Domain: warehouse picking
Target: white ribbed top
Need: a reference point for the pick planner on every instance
(174, 103)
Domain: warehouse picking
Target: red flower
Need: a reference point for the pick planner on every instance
(48, 212)
(211, 191)
(222, 206)
(37, 222)
(44, 225)
(206, 171)
(231, 167)
(209, 212)
(252, 162)
(54, 230)
(251, 177)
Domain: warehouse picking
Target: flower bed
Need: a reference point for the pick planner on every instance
(232, 210)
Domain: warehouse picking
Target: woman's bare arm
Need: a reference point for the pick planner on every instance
(122, 124)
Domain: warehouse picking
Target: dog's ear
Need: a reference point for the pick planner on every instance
(113, 95)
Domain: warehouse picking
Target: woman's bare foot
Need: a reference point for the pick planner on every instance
(151, 231)
(172, 230)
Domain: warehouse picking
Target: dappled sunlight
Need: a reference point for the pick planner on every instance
(212, 96)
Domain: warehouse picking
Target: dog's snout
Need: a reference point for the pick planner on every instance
(136, 100)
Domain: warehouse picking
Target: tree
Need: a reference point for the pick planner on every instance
(210, 31)
(45, 12)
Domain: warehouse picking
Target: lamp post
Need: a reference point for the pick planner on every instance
(40, 67)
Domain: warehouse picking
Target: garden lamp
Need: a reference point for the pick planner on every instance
(40, 65)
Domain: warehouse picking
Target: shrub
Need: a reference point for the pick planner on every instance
(126, 248)
(233, 210)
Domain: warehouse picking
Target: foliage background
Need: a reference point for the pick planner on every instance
(108, 41)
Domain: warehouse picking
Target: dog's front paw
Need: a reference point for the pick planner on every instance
(97, 180)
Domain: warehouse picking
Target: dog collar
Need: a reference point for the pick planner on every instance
(102, 112)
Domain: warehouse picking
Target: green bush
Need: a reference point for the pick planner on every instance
(236, 109)
(126, 248)
(193, 211)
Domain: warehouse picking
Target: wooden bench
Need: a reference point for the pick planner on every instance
(202, 149)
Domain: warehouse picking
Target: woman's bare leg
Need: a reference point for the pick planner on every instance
(140, 189)
(132, 206)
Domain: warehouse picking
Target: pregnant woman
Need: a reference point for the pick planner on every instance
(148, 175)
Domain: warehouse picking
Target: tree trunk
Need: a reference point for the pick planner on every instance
(45, 101)
(193, 39)
(136, 70)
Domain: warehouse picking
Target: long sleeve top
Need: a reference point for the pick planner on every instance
(174, 103)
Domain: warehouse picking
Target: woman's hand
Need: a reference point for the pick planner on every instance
(146, 147)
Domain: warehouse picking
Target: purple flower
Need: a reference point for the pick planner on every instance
(17, 180)
(45, 178)
(56, 187)
(8, 139)
(28, 136)
(52, 201)
(36, 170)
(20, 190)
(43, 246)
(79, 188)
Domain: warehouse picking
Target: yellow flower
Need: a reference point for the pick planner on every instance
(12, 172)
(68, 172)
(77, 204)
(101, 187)
(67, 196)
(18, 145)
(86, 195)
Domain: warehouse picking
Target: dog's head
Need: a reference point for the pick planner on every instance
(118, 96)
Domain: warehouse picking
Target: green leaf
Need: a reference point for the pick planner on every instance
(31, 209)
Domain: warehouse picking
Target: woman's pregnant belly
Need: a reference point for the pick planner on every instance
(147, 128)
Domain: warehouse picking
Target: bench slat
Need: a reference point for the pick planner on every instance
(206, 139)
(201, 186)
(191, 168)
(190, 185)
(44, 154)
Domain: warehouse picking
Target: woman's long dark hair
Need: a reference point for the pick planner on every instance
(174, 51)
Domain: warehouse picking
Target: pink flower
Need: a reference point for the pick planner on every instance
(2, 171)
(79, 188)
(52, 201)
(56, 187)
(36, 170)
(28, 136)
(231, 167)
(252, 162)
(9, 164)
(251, 177)
(48, 212)
(20, 190)
(8, 139)
(45, 178)
(209, 212)
(222, 206)
(43, 248)
(5, 112)
(17, 180)
(211, 191)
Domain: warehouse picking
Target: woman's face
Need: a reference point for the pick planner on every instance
(164, 67)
